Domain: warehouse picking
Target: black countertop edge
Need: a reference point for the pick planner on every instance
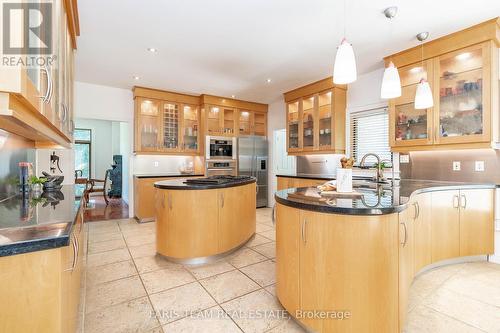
(34, 245)
(168, 175)
(308, 176)
(178, 184)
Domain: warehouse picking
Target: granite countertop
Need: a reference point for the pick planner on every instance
(30, 224)
(373, 199)
(166, 175)
(180, 184)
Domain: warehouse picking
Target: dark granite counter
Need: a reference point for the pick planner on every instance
(30, 224)
(373, 200)
(180, 184)
(167, 175)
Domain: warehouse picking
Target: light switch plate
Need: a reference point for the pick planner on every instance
(403, 158)
(456, 166)
(479, 166)
(156, 163)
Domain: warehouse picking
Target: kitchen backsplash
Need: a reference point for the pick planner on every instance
(13, 149)
(161, 164)
(438, 165)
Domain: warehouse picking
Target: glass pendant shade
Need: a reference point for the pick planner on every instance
(423, 96)
(344, 69)
(391, 83)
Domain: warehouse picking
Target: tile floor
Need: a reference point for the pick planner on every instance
(129, 289)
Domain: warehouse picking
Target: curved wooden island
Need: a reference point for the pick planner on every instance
(197, 223)
(346, 265)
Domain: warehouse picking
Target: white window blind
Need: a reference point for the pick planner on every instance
(370, 134)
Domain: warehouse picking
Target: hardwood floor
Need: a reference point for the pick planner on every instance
(98, 211)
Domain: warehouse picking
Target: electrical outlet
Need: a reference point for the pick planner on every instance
(479, 166)
(456, 166)
(404, 158)
(156, 163)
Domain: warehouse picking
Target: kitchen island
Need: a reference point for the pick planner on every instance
(345, 264)
(202, 220)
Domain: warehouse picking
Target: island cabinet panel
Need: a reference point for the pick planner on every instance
(348, 263)
(283, 183)
(236, 217)
(406, 262)
(421, 219)
(198, 238)
(476, 222)
(445, 225)
(287, 257)
(293, 182)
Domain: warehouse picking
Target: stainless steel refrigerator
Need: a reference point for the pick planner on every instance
(252, 161)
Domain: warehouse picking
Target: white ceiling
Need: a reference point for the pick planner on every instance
(227, 47)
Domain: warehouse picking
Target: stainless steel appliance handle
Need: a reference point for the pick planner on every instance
(406, 234)
(273, 214)
(45, 97)
(51, 86)
(456, 201)
(464, 205)
(256, 189)
(219, 168)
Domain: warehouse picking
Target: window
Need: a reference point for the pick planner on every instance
(83, 156)
(370, 134)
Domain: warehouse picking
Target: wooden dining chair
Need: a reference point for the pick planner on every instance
(91, 187)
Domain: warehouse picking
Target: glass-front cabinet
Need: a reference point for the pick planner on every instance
(252, 123)
(190, 126)
(308, 122)
(325, 115)
(464, 102)
(170, 126)
(410, 126)
(213, 120)
(293, 125)
(148, 125)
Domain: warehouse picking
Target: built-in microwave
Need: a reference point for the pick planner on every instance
(220, 148)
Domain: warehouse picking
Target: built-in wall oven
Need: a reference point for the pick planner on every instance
(220, 148)
(222, 167)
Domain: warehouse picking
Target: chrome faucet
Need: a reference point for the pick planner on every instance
(380, 173)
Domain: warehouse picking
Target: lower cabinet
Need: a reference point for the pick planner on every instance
(445, 225)
(292, 182)
(420, 209)
(406, 262)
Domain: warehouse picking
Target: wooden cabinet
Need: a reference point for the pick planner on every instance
(465, 226)
(36, 102)
(421, 211)
(148, 119)
(406, 262)
(315, 117)
(293, 182)
(252, 123)
(462, 69)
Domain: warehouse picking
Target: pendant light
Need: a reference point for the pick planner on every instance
(423, 95)
(391, 83)
(344, 68)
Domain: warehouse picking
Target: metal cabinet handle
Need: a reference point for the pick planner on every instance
(417, 210)
(45, 98)
(464, 205)
(222, 200)
(456, 201)
(406, 234)
(273, 214)
(75, 253)
(304, 238)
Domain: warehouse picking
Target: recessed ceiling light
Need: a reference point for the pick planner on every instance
(152, 50)
(268, 80)
(136, 77)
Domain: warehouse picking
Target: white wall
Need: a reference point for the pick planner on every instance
(66, 163)
(364, 93)
(275, 120)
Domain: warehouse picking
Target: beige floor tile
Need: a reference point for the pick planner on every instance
(179, 302)
(477, 287)
(270, 234)
(205, 321)
(287, 326)
(153, 263)
(268, 249)
(140, 239)
(263, 273)
(134, 316)
(109, 257)
(243, 310)
(102, 224)
(157, 330)
(259, 227)
(107, 294)
(423, 319)
(472, 312)
(257, 240)
(106, 236)
(272, 289)
(226, 286)
(126, 222)
(142, 250)
(165, 279)
(207, 270)
(138, 228)
(106, 246)
(110, 272)
(244, 257)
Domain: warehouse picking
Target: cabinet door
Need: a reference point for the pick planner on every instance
(260, 123)
(309, 123)
(406, 263)
(326, 123)
(283, 183)
(292, 120)
(245, 122)
(214, 120)
(148, 125)
(287, 257)
(170, 126)
(409, 126)
(464, 107)
(190, 128)
(421, 220)
(228, 121)
(476, 222)
(446, 228)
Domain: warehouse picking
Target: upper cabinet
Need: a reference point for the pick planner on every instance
(172, 123)
(36, 98)
(463, 71)
(315, 117)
